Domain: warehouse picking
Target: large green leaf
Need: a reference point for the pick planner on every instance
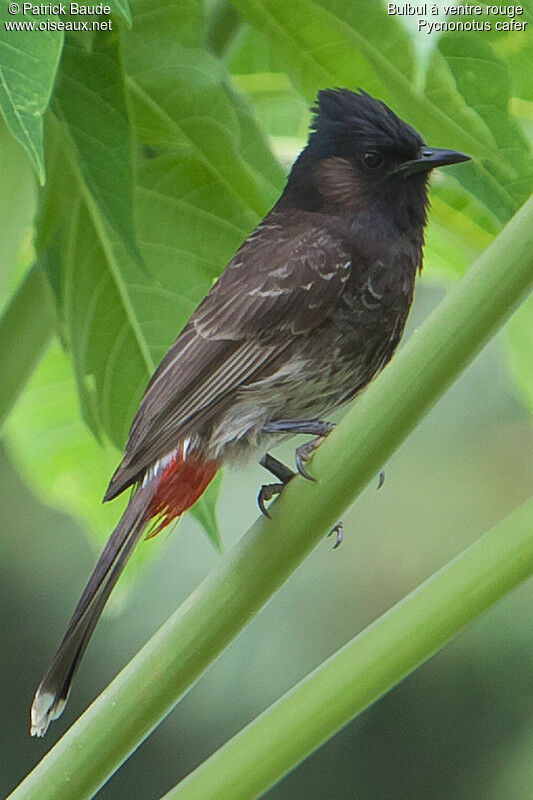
(334, 43)
(28, 64)
(87, 266)
(122, 9)
(204, 510)
(256, 69)
(26, 326)
(181, 103)
(90, 98)
(112, 357)
(60, 460)
(469, 79)
(66, 467)
(206, 176)
(515, 48)
(18, 201)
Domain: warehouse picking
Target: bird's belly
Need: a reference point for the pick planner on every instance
(309, 385)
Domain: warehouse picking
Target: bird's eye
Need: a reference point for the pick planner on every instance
(373, 159)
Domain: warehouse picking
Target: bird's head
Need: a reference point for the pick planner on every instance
(360, 154)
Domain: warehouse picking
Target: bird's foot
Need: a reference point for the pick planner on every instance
(305, 451)
(266, 493)
(381, 478)
(338, 530)
(314, 427)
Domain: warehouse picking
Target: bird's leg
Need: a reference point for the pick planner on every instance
(270, 490)
(315, 427)
(279, 470)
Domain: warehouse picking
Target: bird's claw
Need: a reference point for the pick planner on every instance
(300, 466)
(302, 455)
(266, 493)
(305, 450)
(338, 530)
(381, 478)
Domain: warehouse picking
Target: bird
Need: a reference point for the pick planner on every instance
(308, 311)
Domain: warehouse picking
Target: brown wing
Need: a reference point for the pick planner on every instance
(280, 284)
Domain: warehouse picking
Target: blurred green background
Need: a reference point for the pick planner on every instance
(461, 726)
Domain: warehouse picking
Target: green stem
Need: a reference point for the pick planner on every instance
(152, 683)
(367, 667)
(25, 329)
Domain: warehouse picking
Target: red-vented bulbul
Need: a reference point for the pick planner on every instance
(307, 312)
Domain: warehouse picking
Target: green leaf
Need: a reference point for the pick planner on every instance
(205, 174)
(519, 351)
(255, 148)
(358, 44)
(28, 64)
(62, 463)
(256, 69)
(26, 326)
(89, 270)
(334, 43)
(122, 9)
(181, 102)
(204, 510)
(90, 98)
(223, 24)
(54, 450)
(111, 353)
(517, 52)
(18, 201)
(468, 79)
(458, 230)
(515, 49)
(118, 324)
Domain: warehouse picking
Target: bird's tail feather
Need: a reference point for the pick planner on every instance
(167, 491)
(51, 696)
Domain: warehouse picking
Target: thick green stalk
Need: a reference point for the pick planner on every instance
(366, 667)
(25, 329)
(153, 682)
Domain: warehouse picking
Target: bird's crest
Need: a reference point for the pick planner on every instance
(341, 112)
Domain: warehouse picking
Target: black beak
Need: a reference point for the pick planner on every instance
(431, 157)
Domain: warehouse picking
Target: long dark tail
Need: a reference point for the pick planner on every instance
(52, 694)
(165, 496)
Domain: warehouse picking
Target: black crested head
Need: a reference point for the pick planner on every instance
(362, 158)
(346, 123)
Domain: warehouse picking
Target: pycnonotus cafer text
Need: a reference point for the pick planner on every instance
(307, 312)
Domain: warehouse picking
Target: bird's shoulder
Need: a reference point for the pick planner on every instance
(286, 244)
(286, 274)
